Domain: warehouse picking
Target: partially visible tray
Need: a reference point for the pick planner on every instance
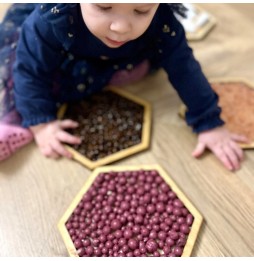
(198, 22)
(236, 98)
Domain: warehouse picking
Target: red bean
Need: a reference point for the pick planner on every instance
(133, 244)
(151, 245)
(115, 224)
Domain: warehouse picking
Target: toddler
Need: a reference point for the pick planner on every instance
(66, 52)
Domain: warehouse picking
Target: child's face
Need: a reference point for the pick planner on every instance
(116, 24)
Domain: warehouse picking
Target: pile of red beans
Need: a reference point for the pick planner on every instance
(108, 123)
(132, 214)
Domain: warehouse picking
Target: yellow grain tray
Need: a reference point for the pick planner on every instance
(145, 135)
(239, 106)
(194, 227)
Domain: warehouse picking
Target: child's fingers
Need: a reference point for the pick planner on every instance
(199, 150)
(222, 156)
(237, 150)
(54, 155)
(65, 124)
(240, 138)
(49, 152)
(59, 148)
(232, 157)
(66, 137)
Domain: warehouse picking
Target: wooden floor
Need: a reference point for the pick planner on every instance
(35, 191)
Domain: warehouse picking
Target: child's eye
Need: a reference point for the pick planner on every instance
(141, 12)
(104, 8)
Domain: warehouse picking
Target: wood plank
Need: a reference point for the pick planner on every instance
(36, 191)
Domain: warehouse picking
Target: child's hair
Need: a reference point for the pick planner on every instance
(180, 9)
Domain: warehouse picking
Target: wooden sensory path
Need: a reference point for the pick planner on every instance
(36, 191)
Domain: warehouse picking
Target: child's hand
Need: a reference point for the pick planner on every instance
(50, 136)
(223, 144)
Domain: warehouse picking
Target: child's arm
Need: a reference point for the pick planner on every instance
(203, 114)
(38, 57)
(50, 137)
(186, 76)
(224, 146)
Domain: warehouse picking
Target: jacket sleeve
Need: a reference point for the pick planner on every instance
(186, 76)
(38, 56)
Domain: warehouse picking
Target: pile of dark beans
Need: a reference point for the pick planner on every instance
(108, 123)
(130, 213)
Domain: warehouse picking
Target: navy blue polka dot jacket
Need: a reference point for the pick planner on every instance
(59, 60)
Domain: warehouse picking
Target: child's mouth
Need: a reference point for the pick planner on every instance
(115, 43)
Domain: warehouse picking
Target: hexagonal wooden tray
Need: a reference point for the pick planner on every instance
(182, 109)
(195, 227)
(145, 140)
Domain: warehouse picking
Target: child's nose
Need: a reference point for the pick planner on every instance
(121, 26)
